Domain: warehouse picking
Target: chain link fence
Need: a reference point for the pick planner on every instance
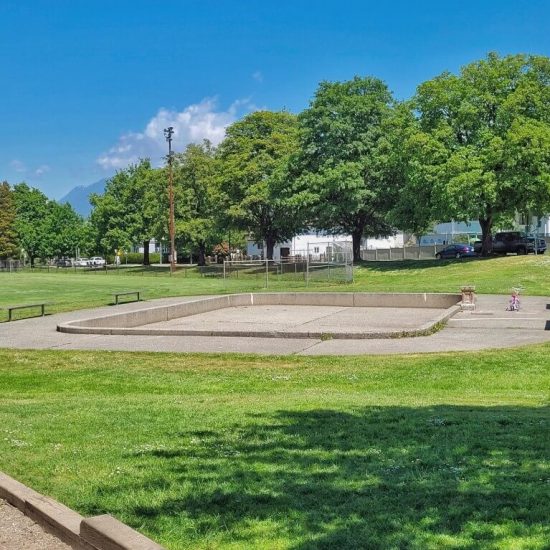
(10, 265)
(328, 262)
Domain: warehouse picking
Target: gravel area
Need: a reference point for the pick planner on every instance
(18, 532)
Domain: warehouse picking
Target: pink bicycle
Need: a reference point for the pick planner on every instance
(513, 304)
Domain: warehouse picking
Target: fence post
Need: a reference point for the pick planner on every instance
(266, 273)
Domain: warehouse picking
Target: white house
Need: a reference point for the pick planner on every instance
(319, 245)
(445, 233)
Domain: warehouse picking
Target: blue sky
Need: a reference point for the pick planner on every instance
(87, 86)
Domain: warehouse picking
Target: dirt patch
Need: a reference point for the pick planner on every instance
(18, 532)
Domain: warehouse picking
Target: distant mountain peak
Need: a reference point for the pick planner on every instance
(78, 197)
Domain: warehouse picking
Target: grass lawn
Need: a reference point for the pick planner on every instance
(418, 452)
(69, 290)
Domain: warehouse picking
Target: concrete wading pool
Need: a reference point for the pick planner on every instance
(321, 315)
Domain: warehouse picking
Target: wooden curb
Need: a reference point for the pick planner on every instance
(97, 533)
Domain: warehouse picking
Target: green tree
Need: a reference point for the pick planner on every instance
(32, 211)
(252, 171)
(124, 214)
(8, 234)
(64, 230)
(348, 169)
(197, 198)
(484, 140)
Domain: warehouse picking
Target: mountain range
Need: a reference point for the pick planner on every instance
(78, 197)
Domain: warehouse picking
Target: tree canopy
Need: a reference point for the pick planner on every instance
(8, 234)
(253, 168)
(347, 178)
(197, 198)
(475, 145)
(32, 209)
(46, 228)
(126, 213)
(484, 140)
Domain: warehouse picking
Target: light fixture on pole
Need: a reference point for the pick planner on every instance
(168, 135)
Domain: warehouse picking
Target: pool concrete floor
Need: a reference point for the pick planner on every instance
(293, 319)
(491, 326)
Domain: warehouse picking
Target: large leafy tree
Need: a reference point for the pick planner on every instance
(484, 140)
(348, 168)
(197, 198)
(8, 234)
(30, 223)
(64, 231)
(46, 228)
(125, 213)
(253, 162)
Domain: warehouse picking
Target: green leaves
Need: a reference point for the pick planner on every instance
(128, 212)
(46, 228)
(254, 176)
(488, 132)
(8, 234)
(348, 169)
(197, 198)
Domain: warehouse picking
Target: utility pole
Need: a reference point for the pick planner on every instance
(168, 135)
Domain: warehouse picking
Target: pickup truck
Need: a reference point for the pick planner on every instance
(513, 242)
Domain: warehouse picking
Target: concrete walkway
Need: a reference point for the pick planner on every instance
(490, 326)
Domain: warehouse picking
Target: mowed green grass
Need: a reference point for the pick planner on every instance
(69, 290)
(218, 451)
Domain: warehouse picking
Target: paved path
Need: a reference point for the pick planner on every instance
(18, 532)
(491, 326)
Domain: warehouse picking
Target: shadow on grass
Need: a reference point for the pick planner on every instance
(405, 265)
(388, 477)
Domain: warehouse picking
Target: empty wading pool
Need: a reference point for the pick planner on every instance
(283, 315)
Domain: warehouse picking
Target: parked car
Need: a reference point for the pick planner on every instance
(513, 242)
(64, 262)
(456, 251)
(82, 262)
(538, 245)
(97, 261)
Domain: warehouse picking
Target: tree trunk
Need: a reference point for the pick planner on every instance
(486, 235)
(356, 244)
(202, 254)
(146, 260)
(269, 246)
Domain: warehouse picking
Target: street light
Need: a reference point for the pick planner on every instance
(168, 135)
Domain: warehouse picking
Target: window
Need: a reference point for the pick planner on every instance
(316, 250)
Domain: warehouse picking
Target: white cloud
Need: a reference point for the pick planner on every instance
(195, 123)
(18, 166)
(41, 170)
(258, 76)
